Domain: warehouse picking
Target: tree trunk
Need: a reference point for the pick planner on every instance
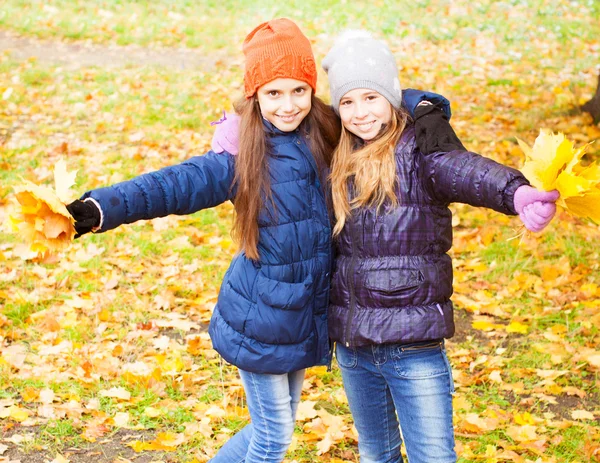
(593, 106)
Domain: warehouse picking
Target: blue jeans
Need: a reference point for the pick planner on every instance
(392, 386)
(272, 403)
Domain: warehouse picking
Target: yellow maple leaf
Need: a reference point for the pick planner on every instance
(485, 325)
(121, 419)
(570, 184)
(516, 327)
(18, 414)
(138, 446)
(325, 444)
(63, 181)
(152, 412)
(41, 218)
(165, 441)
(476, 424)
(554, 163)
(582, 415)
(116, 392)
(587, 205)
(524, 418)
(168, 440)
(549, 155)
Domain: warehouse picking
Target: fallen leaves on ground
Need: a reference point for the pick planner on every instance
(108, 345)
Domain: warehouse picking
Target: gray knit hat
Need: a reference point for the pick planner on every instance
(358, 60)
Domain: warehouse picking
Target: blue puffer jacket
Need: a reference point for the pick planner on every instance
(393, 277)
(271, 315)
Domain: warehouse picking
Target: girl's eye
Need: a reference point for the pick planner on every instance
(300, 91)
(345, 103)
(371, 97)
(273, 93)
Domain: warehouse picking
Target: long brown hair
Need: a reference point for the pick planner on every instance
(371, 168)
(320, 127)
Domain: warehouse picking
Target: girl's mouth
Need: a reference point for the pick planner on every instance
(289, 118)
(365, 126)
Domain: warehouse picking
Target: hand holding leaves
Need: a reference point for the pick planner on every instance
(86, 214)
(535, 208)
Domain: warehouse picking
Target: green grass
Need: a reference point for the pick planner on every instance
(578, 250)
(60, 430)
(571, 444)
(18, 313)
(211, 394)
(193, 24)
(504, 255)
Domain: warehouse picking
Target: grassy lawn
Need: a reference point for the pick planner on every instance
(107, 346)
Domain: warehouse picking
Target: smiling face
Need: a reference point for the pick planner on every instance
(364, 112)
(285, 102)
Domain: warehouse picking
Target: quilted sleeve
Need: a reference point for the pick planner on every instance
(198, 183)
(466, 177)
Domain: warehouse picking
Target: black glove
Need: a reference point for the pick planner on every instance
(86, 215)
(433, 130)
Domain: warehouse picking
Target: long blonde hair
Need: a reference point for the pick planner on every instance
(371, 169)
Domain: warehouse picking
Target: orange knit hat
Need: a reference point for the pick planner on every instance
(277, 49)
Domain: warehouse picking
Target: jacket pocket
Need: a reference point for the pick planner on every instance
(283, 313)
(282, 295)
(394, 280)
(392, 287)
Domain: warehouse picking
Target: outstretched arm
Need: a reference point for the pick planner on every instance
(198, 183)
(462, 176)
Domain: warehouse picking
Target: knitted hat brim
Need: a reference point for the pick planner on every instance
(395, 100)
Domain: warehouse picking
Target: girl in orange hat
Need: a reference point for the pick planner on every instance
(271, 316)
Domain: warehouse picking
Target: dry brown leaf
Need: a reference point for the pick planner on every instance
(582, 415)
(116, 392)
(524, 433)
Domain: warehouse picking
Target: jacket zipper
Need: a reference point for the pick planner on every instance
(352, 295)
(321, 192)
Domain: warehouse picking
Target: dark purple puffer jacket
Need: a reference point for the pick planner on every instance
(393, 278)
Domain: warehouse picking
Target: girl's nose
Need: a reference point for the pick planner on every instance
(360, 110)
(288, 104)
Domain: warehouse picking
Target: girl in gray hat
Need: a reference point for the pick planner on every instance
(390, 307)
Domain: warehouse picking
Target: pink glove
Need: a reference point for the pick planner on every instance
(535, 208)
(227, 134)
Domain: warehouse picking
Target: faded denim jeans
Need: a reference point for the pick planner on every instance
(272, 402)
(392, 387)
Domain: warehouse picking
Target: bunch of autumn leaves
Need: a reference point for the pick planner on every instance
(44, 224)
(40, 217)
(553, 164)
